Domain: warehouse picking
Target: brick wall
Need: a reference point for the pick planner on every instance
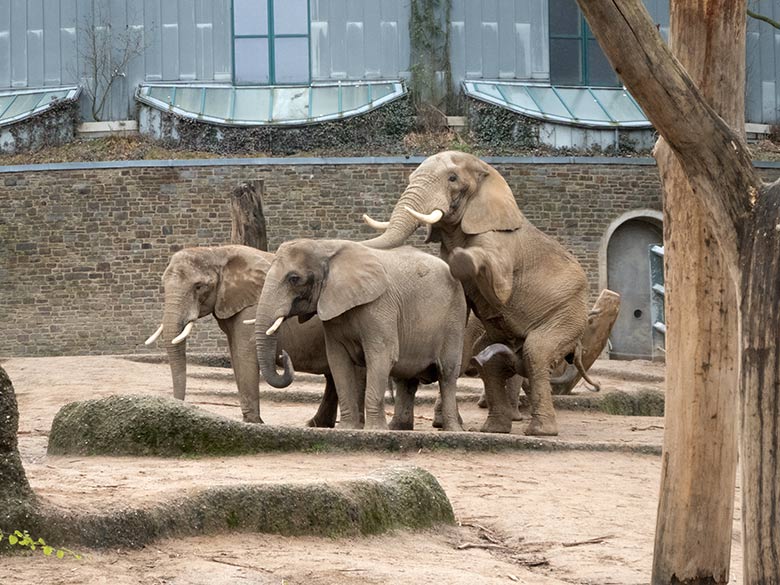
(82, 249)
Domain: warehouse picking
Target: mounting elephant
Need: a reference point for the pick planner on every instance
(528, 291)
(398, 313)
(225, 281)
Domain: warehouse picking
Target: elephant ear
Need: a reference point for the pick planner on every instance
(241, 284)
(355, 277)
(492, 207)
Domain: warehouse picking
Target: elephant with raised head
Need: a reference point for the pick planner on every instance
(528, 291)
(396, 313)
(226, 281)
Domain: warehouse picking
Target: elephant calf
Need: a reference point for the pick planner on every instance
(398, 313)
(225, 281)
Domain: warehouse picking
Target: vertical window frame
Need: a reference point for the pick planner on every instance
(270, 38)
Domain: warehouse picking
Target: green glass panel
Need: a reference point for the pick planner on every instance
(52, 96)
(619, 105)
(489, 90)
(252, 104)
(189, 99)
(161, 93)
(4, 101)
(23, 104)
(324, 101)
(381, 90)
(517, 96)
(291, 103)
(583, 105)
(549, 103)
(353, 97)
(217, 102)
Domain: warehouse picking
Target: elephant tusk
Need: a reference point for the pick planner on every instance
(153, 337)
(249, 321)
(430, 219)
(272, 329)
(377, 225)
(183, 335)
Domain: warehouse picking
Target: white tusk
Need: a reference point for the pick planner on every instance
(183, 335)
(431, 218)
(153, 337)
(272, 329)
(377, 225)
(249, 321)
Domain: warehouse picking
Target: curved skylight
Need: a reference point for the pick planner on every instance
(16, 105)
(270, 105)
(602, 107)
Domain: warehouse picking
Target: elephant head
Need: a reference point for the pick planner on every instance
(308, 277)
(450, 191)
(220, 280)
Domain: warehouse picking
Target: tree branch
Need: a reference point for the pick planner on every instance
(715, 159)
(763, 18)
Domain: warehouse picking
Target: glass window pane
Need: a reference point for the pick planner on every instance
(53, 95)
(217, 102)
(324, 101)
(251, 59)
(292, 60)
(23, 104)
(564, 18)
(250, 17)
(291, 103)
(517, 96)
(565, 62)
(161, 93)
(489, 90)
(548, 102)
(600, 72)
(252, 104)
(189, 99)
(619, 105)
(4, 101)
(583, 105)
(353, 97)
(291, 17)
(380, 90)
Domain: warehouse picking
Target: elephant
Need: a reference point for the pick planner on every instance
(396, 313)
(225, 281)
(529, 292)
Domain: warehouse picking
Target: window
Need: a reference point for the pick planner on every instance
(575, 55)
(270, 42)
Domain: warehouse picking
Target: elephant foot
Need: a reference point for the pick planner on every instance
(253, 419)
(542, 427)
(376, 425)
(454, 426)
(482, 402)
(438, 421)
(401, 424)
(497, 424)
(314, 422)
(517, 415)
(462, 264)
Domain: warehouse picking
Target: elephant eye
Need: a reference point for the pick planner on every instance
(294, 279)
(453, 178)
(199, 286)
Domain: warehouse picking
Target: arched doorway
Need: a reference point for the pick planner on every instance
(628, 273)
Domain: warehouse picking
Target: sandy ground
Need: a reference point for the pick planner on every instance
(524, 517)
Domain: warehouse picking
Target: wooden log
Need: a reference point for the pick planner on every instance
(248, 220)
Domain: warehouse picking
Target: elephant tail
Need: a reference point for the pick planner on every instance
(581, 369)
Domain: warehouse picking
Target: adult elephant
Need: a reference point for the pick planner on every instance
(226, 281)
(396, 313)
(528, 291)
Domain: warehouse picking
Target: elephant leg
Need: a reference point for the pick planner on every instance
(346, 379)
(514, 386)
(326, 413)
(243, 356)
(403, 412)
(539, 352)
(489, 269)
(448, 387)
(378, 366)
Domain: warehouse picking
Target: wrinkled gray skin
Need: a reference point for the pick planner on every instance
(528, 291)
(398, 313)
(225, 281)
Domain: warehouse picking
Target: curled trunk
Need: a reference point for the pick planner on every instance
(402, 223)
(266, 344)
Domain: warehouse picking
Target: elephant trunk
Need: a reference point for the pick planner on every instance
(177, 354)
(266, 344)
(402, 223)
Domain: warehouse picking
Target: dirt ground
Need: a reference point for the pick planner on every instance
(524, 517)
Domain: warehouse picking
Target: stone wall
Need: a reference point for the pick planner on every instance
(82, 247)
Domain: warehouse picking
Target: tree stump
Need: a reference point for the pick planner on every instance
(246, 211)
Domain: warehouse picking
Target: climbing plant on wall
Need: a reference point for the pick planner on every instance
(431, 79)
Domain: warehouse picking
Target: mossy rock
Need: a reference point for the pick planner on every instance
(645, 402)
(402, 497)
(163, 427)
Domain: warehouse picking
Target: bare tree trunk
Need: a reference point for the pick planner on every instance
(696, 505)
(744, 219)
(246, 210)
